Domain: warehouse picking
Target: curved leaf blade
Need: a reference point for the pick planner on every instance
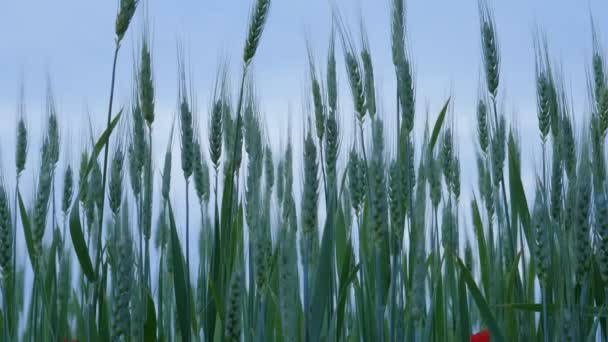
(439, 124)
(79, 243)
(484, 309)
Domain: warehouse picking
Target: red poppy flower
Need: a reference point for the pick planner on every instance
(483, 336)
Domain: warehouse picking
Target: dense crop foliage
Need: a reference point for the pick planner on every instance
(373, 247)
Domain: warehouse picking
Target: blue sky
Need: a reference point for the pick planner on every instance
(73, 42)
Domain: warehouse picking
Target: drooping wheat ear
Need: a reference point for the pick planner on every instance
(68, 189)
(498, 151)
(568, 148)
(396, 207)
(310, 192)
(482, 126)
(123, 288)
(489, 44)
(603, 111)
(215, 136)
(542, 236)
(234, 306)
(582, 241)
(123, 18)
(398, 31)
(368, 72)
(449, 234)
(21, 151)
(379, 203)
(256, 28)
(332, 77)
(201, 174)
(115, 187)
(598, 161)
(146, 82)
(6, 234)
(556, 181)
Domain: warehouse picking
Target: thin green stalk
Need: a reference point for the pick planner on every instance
(232, 165)
(149, 184)
(187, 259)
(504, 192)
(14, 280)
(104, 177)
(379, 309)
(308, 244)
(327, 199)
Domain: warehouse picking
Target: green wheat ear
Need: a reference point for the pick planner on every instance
(68, 189)
(123, 18)
(489, 43)
(256, 27)
(234, 306)
(6, 234)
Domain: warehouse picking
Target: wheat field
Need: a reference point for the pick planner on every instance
(365, 233)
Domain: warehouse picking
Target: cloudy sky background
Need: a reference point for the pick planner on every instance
(72, 42)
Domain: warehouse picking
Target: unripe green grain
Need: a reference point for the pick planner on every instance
(6, 234)
(125, 15)
(233, 307)
(489, 43)
(311, 187)
(146, 83)
(542, 240)
(256, 27)
(115, 186)
(370, 89)
(482, 126)
(21, 151)
(582, 241)
(355, 79)
(201, 174)
(215, 136)
(68, 183)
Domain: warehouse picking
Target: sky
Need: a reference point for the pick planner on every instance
(71, 44)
